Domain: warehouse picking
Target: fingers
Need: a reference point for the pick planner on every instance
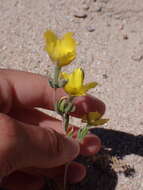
(86, 104)
(89, 146)
(23, 89)
(22, 181)
(35, 180)
(31, 116)
(58, 172)
(24, 145)
(76, 172)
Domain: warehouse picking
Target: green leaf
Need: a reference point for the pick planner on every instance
(82, 133)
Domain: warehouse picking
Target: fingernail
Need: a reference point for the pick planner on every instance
(76, 172)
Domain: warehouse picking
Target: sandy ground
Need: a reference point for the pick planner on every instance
(110, 36)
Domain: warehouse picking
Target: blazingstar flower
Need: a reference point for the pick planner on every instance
(74, 85)
(94, 118)
(61, 51)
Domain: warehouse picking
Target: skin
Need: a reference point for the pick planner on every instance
(33, 144)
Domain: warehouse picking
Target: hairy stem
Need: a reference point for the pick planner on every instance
(65, 174)
(56, 74)
(65, 122)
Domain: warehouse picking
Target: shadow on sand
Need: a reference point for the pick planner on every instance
(121, 144)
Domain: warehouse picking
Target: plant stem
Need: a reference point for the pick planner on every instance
(71, 98)
(65, 119)
(65, 122)
(56, 74)
(65, 174)
(54, 96)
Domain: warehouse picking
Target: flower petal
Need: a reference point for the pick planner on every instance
(50, 37)
(88, 86)
(62, 51)
(66, 59)
(64, 75)
(67, 49)
(68, 42)
(51, 40)
(78, 78)
(94, 116)
(74, 86)
(100, 122)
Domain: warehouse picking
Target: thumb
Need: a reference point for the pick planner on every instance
(23, 145)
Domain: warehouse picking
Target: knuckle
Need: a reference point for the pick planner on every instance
(55, 144)
(8, 145)
(7, 126)
(9, 134)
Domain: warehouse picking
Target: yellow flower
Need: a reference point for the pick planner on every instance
(74, 85)
(94, 118)
(62, 51)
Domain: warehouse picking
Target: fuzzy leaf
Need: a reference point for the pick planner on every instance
(82, 133)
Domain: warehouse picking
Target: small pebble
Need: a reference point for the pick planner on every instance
(39, 61)
(98, 62)
(125, 37)
(98, 9)
(105, 76)
(137, 57)
(90, 29)
(118, 17)
(108, 14)
(80, 15)
(108, 24)
(2, 48)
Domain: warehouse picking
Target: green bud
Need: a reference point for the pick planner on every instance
(63, 106)
(68, 107)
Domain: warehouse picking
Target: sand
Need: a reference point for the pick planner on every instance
(110, 37)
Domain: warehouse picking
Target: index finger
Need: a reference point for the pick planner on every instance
(23, 89)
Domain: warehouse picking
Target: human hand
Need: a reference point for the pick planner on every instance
(32, 143)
